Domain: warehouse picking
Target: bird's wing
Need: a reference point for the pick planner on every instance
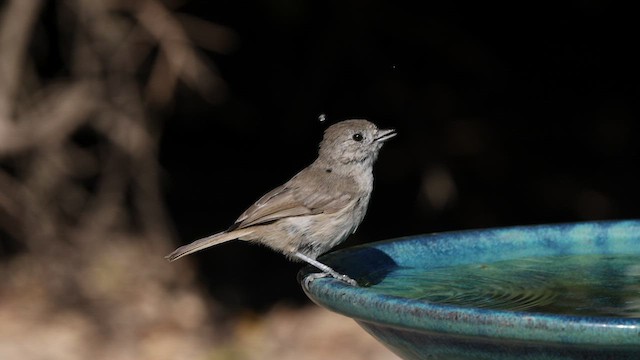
(291, 199)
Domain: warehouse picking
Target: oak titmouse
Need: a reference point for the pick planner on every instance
(319, 207)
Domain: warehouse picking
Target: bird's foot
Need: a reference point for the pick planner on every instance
(343, 278)
(326, 271)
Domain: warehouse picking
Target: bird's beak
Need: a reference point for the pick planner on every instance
(385, 134)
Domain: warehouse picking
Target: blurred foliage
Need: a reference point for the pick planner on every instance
(83, 227)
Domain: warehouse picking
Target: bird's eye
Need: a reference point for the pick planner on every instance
(357, 137)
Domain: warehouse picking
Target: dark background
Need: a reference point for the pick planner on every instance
(526, 112)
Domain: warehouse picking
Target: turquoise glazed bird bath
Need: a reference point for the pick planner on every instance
(567, 291)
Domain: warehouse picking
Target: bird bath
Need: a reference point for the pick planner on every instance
(566, 291)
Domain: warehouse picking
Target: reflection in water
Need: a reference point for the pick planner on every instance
(600, 285)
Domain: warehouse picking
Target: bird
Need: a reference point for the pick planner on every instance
(319, 207)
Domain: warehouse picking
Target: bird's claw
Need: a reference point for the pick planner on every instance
(348, 280)
(343, 278)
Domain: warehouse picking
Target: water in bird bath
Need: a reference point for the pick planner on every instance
(592, 285)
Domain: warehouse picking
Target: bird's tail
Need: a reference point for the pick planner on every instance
(207, 242)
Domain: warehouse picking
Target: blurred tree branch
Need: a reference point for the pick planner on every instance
(16, 25)
(78, 144)
(80, 203)
(55, 183)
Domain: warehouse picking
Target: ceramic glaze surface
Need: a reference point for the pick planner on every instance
(420, 327)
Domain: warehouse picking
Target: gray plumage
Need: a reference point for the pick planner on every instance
(319, 207)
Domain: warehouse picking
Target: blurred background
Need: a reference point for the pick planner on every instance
(128, 128)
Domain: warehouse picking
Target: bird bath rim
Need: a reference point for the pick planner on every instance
(469, 246)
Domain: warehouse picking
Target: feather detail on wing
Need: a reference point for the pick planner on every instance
(287, 201)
